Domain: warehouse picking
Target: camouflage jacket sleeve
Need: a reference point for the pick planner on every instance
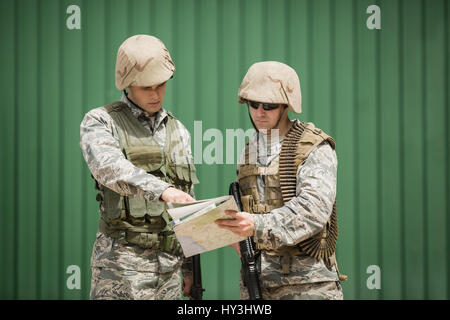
(187, 267)
(101, 150)
(307, 213)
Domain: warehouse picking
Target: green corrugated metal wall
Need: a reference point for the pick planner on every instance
(383, 94)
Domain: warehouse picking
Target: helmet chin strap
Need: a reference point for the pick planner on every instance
(279, 118)
(126, 95)
(250, 116)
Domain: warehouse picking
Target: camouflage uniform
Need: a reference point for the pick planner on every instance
(306, 213)
(297, 220)
(123, 270)
(126, 271)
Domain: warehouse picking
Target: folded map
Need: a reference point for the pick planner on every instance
(194, 225)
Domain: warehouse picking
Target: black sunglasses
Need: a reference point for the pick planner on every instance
(265, 106)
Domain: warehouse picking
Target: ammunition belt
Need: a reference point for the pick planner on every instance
(164, 241)
(323, 245)
(287, 168)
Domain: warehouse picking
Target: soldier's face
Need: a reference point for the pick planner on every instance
(266, 119)
(148, 98)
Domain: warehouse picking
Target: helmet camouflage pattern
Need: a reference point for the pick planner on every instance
(272, 82)
(143, 60)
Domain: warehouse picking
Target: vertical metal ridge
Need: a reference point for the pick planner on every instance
(129, 16)
(39, 153)
(424, 153)
(84, 206)
(107, 45)
(355, 155)
(447, 139)
(198, 65)
(16, 152)
(220, 69)
(220, 49)
(197, 61)
(242, 51)
(332, 79)
(174, 54)
(287, 34)
(265, 42)
(151, 25)
(379, 167)
(310, 57)
(402, 146)
(61, 153)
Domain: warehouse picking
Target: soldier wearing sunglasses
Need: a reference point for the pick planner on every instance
(288, 191)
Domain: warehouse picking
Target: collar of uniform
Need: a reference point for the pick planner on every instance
(140, 113)
(261, 137)
(267, 150)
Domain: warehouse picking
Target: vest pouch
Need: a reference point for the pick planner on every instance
(273, 194)
(156, 208)
(137, 207)
(247, 203)
(273, 181)
(180, 172)
(185, 170)
(247, 170)
(248, 187)
(157, 216)
(112, 203)
(247, 179)
(273, 190)
(148, 158)
(147, 214)
(247, 183)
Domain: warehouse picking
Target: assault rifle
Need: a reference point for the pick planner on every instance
(197, 289)
(248, 259)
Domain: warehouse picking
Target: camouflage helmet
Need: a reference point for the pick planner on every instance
(272, 82)
(143, 60)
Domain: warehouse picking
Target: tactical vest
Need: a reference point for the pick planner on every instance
(280, 187)
(138, 221)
